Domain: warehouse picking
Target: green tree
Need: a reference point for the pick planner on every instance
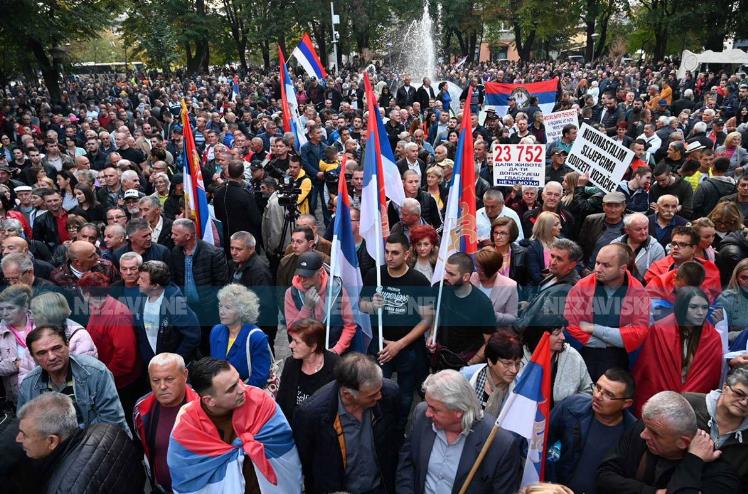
(38, 30)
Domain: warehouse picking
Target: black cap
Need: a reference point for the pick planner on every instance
(309, 263)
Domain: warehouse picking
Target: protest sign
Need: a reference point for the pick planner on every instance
(522, 164)
(598, 156)
(555, 122)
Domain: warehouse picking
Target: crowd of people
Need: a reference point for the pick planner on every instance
(136, 356)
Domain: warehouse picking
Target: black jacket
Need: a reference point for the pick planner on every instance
(423, 96)
(709, 193)
(256, 276)
(429, 210)
(156, 252)
(406, 96)
(236, 208)
(319, 446)
(164, 238)
(289, 381)
(45, 228)
(100, 459)
(732, 249)
(210, 272)
(178, 329)
(619, 471)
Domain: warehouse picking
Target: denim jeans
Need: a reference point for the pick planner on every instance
(318, 190)
(410, 365)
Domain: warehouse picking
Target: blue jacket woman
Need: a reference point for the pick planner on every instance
(238, 308)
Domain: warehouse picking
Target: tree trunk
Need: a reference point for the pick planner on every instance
(526, 49)
(472, 39)
(243, 55)
(265, 50)
(603, 38)
(50, 70)
(589, 48)
(660, 48)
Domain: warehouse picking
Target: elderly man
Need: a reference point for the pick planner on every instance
(599, 229)
(411, 187)
(449, 430)
(646, 248)
(410, 217)
(666, 183)
(114, 238)
(722, 414)
(155, 413)
(248, 269)
(12, 245)
(19, 268)
(664, 219)
(494, 207)
(411, 161)
(139, 240)
(99, 456)
(79, 376)
(81, 258)
(150, 209)
(347, 432)
(126, 289)
(110, 195)
(244, 424)
(551, 197)
(666, 452)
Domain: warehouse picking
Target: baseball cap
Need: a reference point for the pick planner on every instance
(132, 194)
(663, 102)
(614, 197)
(309, 263)
(559, 151)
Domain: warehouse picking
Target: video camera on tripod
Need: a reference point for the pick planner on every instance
(288, 192)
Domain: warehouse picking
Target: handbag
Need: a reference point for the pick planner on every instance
(444, 358)
(273, 382)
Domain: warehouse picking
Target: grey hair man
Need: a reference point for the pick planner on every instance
(493, 207)
(47, 426)
(723, 413)
(636, 236)
(410, 216)
(449, 430)
(674, 452)
(347, 433)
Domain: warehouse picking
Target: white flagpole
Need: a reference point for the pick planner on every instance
(378, 250)
(333, 264)
(436, 314)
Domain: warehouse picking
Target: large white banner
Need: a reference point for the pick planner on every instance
(599, 157)
(522, 164)
(556, 121)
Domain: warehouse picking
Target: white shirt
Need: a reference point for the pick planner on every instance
(156, 231)
(653, 142)
(151, 316)
(484, 223)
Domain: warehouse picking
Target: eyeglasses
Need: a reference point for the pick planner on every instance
(681, 245)
(607, 394)
(511, 364)
(739, 394)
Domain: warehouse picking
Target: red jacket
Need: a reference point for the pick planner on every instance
(113, 332)
(712, 284)
(658, 367)
(17, 215)
(634, 312)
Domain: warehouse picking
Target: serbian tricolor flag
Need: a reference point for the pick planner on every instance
(291, 118)
(235, 89)
(374, 226)
(527, 410)
(195, 199)
(393, 182)
(344, 265)
(459, 233)
(498, 93)
(307, 57)
(200, 462)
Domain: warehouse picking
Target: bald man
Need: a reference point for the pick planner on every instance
(17, 245)
(81, 259)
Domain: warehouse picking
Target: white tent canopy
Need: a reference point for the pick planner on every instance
(691, 61)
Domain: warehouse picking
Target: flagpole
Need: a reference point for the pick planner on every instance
(479, 459)
(378, 250)
(333, 259)
(438, 307)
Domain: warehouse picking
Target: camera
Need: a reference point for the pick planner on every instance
(288, 192)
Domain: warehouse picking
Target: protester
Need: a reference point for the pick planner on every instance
(585, 428)
(100, 456)
(448, 432)
(309, 367)
(154, 414)
(348, 432)
(666, 450)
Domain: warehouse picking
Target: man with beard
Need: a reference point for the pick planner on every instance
(460, 331)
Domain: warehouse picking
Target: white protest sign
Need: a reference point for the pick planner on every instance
(598, 156)
(556, 121)
(522, 164)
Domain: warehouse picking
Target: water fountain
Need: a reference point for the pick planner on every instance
(419, 48)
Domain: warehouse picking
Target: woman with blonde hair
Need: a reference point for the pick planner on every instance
(52, 309)
(737, 154)
(237, 338)
(569, 185)
(545, 231)
(434, 186)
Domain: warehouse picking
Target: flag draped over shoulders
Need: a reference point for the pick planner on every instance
(201, 462)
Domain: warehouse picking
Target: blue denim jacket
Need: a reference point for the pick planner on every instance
(95, 394)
